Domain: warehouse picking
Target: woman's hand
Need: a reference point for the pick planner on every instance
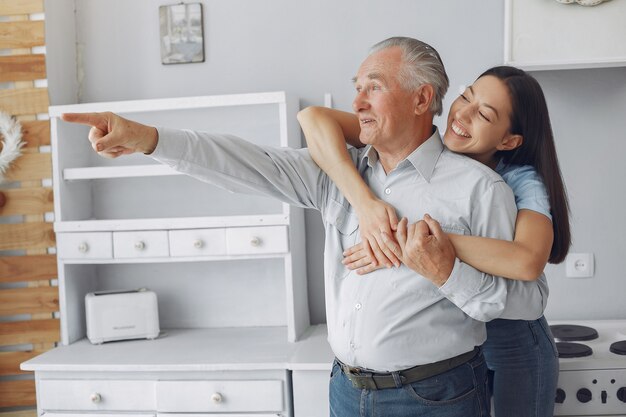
(357, 257)
(377, 217)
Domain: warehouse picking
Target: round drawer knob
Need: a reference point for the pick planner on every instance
(198, 244)
(95, 398)
(216, 398)
(83, 247)
(140, 245)
(256, 241)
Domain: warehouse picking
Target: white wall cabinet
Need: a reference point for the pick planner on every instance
(228, 270)
(549, 35)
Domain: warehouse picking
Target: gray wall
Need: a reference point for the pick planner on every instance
(310, 48)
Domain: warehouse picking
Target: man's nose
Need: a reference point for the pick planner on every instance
(360, 101)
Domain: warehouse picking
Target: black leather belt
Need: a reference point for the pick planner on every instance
(367, 379)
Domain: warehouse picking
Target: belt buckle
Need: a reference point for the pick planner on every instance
(351, 371)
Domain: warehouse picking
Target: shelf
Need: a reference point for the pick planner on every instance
(171, 223)
(93, 173)
(182, 103)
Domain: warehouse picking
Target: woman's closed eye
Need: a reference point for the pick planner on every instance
(484, 116)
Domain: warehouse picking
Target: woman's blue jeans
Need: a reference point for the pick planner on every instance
(459, 392)
(523, 367)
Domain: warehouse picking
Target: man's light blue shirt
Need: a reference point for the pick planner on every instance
(390, 319)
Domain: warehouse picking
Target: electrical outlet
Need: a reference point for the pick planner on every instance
(579, 265)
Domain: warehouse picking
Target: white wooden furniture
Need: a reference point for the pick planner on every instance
(548, 35)
(228, 270)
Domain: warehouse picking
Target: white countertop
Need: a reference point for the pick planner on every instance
(232, 349)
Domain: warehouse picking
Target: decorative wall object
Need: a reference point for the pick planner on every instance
(182, 39)
(545, 35)
(583, 2)
(11, 137)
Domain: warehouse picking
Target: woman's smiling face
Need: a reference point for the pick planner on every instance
(479, 121)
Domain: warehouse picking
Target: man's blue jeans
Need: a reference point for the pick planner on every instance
(459, 392)
(523, 367)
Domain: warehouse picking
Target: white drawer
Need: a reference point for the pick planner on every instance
(256, 240)
(82, 395)
(219, 396)
(96, 245)
(197, 242)
(140, 244)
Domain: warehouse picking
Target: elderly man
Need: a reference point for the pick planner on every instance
(405, 345)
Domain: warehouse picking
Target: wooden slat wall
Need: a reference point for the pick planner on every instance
(22, 67)
(28, 268)
(25, 281)
(20, 7)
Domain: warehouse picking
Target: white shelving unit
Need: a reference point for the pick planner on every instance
(228, 269)
(548, 35)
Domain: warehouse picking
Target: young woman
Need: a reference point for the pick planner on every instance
(502, 121)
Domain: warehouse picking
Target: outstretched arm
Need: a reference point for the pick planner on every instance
(112, 135)
(326, 132)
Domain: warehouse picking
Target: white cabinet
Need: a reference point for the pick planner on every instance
(121, 219)
(228, 269)
(549, 35)
(96, 395)
(219, 396)
(95, 245)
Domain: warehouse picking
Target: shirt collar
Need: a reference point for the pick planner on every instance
(424, 158)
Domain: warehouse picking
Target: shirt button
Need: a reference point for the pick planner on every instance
(352, 345)
(357, 306)
(387, 191)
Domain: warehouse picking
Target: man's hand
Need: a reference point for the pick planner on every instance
(424, 248)
(112, 136)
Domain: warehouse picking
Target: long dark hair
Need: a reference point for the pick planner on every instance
(529, 118)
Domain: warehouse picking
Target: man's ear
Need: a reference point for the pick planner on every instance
(510, 142)
(423, 98)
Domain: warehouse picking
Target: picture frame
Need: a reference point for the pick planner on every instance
(549, 35)
(182, 33)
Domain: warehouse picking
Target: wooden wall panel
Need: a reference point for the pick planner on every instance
(30, 166)
(24, 101)
(29, 300)
(21, 201)
(28, 268)
(26, 235)
(35, 133)
(10, 361)
(32, 331)
(17, 393)
(24, 34)
(21, 413)
(22, 67)
(37, 298)
(17, 7)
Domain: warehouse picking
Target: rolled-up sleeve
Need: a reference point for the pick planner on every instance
(486, 297)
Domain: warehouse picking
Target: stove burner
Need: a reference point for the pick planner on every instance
(573, 350)
(572, 332)
(618, 348)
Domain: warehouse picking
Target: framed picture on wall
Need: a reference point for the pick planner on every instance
(182, 33)
(562, 34)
